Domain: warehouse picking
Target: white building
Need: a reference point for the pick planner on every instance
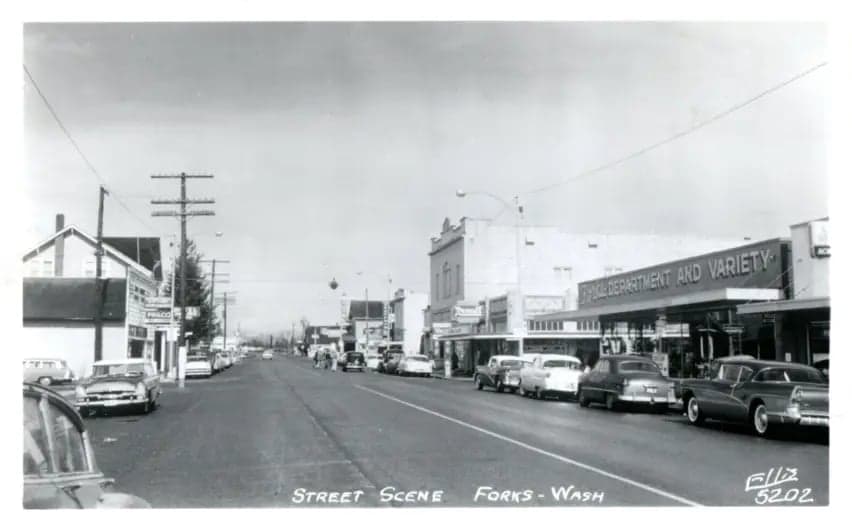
(406, 327)
(59, 299)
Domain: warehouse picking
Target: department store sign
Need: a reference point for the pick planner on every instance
(758, 265)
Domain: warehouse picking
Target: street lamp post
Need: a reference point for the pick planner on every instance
(518, 210)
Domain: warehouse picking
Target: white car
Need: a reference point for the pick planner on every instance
(220, 362)
(551, 374)
(372, 360)
(198, 366)
(416, 365)
(267, 355)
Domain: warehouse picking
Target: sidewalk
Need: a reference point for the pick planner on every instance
(442, 376)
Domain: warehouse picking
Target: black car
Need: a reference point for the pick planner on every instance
(392, 356)
(352, 361)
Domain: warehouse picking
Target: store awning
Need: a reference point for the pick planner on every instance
(792, 305)
(651, 306)
(474, 336)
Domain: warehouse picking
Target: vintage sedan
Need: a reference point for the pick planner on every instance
(551, 375)
(415, 365)
(761, 393)
(623, 379)
(47, 371)
(267, 355)
(372, 361)
(494, 373)
(391, 362)
(119, 383)
(352, 361)
(60, 471)
(198, 366)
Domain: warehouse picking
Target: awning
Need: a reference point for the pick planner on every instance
(474, 336)
(653, 305)
(792, 305)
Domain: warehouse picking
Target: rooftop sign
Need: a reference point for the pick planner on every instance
(757, 265)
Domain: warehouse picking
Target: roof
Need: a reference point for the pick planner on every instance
(787, 305)
(109, 249)
(560, 357)
(116, 362)
(761, 364)
(72, 299)
(144, 251)
(374, 310)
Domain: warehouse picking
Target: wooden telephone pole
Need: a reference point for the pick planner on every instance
(182, 214)
(225, 299)
(99, 286)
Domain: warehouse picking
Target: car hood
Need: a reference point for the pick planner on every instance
(117, 379)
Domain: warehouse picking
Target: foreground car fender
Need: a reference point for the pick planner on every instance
(118, 500)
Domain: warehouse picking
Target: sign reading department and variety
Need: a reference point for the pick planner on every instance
(758, 265)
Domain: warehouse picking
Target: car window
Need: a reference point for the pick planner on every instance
(510, 363)
(100, 371)
(36, 449)
(745, 374)
(638, 366)
(790, 375)
(562, 363)
(67, 442)
(728, 372)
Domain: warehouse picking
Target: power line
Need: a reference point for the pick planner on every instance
(680, 134)
(89, 164)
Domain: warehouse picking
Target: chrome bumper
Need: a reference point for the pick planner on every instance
(794, 416)
(648, 399)
(111, 402)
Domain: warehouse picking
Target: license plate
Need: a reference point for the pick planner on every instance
(111, 402)
(651, 389)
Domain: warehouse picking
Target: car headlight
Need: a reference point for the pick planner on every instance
(80, 391)
(140, 390)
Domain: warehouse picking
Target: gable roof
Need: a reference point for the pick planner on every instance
(72, 299)
(109, 249)
(374, 310)
(144, 251)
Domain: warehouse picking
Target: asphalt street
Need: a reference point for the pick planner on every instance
(280, 433)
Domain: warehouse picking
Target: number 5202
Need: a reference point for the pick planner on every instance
(793, 495)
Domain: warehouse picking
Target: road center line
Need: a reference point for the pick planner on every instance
(537, 450)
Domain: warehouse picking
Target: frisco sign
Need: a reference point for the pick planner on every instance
(757, 265)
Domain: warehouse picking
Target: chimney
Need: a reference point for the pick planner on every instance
(59, 248)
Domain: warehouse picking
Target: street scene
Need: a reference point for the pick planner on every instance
(425, 265)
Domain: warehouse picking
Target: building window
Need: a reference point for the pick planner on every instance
(458, 279)
(447, 278)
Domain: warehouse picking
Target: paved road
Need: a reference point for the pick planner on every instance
(279, 433)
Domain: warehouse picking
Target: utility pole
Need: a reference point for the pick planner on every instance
(213, 286)
(182, 214)
(225, 299)
(99, 295)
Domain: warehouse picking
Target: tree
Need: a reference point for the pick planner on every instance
(197, 294)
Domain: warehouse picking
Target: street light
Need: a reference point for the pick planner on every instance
(519, 211)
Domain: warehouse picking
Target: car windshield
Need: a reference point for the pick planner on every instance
(638, 366)
(197, 358)
(417, 358)
(512, 364)
(571, 364)
(792, 374)
(117, 369)
(355, 356)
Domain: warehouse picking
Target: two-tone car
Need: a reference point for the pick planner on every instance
(415, 365)
(763, 394)
(494, 373)
(119, 384)
(626, 379)
(390, 361)
(47, 371)
(550, 375)
(60, 471)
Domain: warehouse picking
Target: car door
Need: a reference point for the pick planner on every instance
(736, 407)
(717, 399)
(487, 374)
(596, 381)
(152, 380)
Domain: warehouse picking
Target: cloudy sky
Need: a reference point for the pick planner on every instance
(337, 147)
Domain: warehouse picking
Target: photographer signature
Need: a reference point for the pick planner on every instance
(770, 489)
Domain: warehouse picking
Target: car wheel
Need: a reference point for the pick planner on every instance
(760, 420)
(499, 386)
(521, 389)
(343, 369)
(538, 394)
(45, 380)
(84, 412)
(611, 402)
(478, 381)
(693, 412)
(146, 407)
(582, 399)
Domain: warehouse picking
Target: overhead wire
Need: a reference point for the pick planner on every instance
(98, 176)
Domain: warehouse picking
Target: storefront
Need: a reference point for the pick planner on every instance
(684, 313)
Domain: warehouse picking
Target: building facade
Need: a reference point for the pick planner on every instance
(406, 319)
(59, 300)
(488, 282)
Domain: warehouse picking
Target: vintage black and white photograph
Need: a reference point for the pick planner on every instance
(425, 264)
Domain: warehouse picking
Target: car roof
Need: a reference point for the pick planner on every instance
(117, 362)
(763, 364)
(43, 359)
(560, 357)
(625, 357)
(501, 357)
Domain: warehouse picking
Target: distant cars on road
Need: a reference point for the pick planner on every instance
(119, 383)
(390, 361)
(372, 361)
(60, 471)
(47, 371)
(352, 361)
(267, 355)
(617, 380)
(198, 366)
(763, 394)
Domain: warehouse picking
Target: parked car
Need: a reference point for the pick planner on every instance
(616, 380)
(391, 362)
(267, 355)
(372, 360)
(822, 366)
(119, 383)
(60, 471)
(415, 365)
(494, 373)
(352, 361)
(220, 362)
(198, 365)
(762, 393)
(551, 375)
(385, 356)
(47, 371)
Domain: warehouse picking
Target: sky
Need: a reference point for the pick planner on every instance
(337, 147)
